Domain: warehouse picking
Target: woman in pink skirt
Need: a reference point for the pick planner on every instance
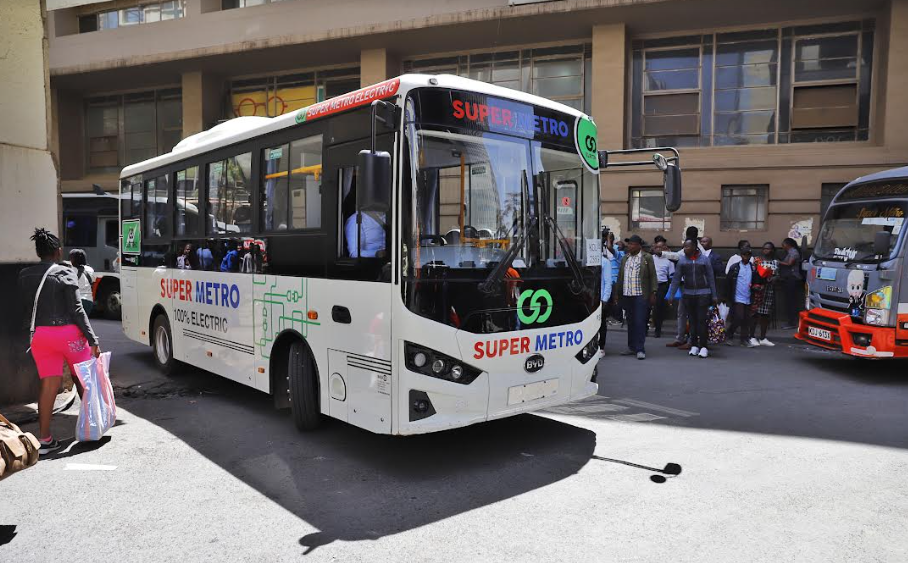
(62, 332)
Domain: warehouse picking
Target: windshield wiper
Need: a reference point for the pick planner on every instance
(491, 283)
(576, 285)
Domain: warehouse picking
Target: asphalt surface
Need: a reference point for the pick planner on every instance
(785, 454)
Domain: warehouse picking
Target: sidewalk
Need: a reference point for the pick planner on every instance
(669, 328)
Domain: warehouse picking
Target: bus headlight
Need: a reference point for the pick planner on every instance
(589, 350)
(426, 361)
(878, 317)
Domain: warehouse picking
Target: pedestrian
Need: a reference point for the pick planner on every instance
(605, 291)
(665, 268)
(637, 289)
(790, 278)
(715, 259)
(62, 332)
(736, 257)
(766, 270)
(738, 284)
(694, 275)
(86, 276)
(615, 256)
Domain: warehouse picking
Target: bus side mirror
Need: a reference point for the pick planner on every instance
(672, 182)
(881, 243)
(373, 192)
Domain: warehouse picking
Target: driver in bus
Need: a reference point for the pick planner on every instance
(371, 234)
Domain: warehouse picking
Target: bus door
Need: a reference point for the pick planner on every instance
(357, 297)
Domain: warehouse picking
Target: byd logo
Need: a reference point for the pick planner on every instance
(538, 315)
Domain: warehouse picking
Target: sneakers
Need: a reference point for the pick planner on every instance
(641, 355)
(628, 352)
(764, 342)
(47, 447)
(694, 351)
(686, 346)
(753, 343)
(704, 353)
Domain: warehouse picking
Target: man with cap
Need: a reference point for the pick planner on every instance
(636, 288)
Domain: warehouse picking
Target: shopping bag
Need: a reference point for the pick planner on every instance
(98, 411)
(723, 311)
(715, 327)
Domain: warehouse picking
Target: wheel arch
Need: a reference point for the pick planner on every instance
(156, 311)
(277, 365)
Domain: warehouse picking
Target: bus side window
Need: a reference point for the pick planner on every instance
(157, 223)
(186, 202)
(229, 195)
(292, 183)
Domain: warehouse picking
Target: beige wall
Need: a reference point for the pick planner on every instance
(609, 56)
(202, 100)
(28, 177)
(376, 65)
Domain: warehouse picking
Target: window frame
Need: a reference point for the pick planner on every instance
(731, 225)
(665, 223)
(261, 184)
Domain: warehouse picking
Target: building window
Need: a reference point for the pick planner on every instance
(123, 130)
(276, 95)
(765, 86)
(230, 195)
(557, 73)
(146, 13)
(231, 4)
(744, 208)
(292, 185)
(648, 210)
(827, 192)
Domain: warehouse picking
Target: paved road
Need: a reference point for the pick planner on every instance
(787, 454)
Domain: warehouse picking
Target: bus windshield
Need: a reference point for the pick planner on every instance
(849, 229)
(480, 197)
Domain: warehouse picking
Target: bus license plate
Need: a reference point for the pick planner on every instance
(820, 333)
(532, 391)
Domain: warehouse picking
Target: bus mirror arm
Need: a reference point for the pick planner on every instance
(670, 167)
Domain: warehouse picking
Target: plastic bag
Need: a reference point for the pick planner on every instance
(715, 327)
(723, 311)
(98, 412)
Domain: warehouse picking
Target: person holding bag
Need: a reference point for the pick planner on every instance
(59, 329)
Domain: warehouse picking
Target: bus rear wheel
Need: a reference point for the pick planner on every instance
(162, 344)
(303, 386)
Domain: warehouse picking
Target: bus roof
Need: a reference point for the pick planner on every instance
(893, 174)
(243, 128)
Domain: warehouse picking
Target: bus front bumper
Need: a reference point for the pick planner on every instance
(837, 331)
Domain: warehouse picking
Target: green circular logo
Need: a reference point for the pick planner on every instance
(585, 138)
(301, 116)
(537, 315)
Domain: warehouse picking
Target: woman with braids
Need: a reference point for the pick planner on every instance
(62, 332)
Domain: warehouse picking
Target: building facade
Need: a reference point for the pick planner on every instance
(774, 105)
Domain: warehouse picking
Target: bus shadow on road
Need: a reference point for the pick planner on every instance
(352, 485)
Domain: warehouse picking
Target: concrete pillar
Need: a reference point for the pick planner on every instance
(202, 101)
(376, 65)
(896, 135)
(68, 134)
(29, 187)
(609, 83)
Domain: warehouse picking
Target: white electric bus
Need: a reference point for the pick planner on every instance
(417, 255)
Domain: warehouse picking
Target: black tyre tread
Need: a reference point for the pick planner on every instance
(167, 368)
(108, 314)
(304, 400)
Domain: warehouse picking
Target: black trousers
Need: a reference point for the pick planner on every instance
(603, 328)
(660, 307)
(740, 318)
(696, 306)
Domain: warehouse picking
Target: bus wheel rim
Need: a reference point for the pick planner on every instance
(162, 345)
(113, 302)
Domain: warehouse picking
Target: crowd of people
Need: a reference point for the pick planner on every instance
(641, 284)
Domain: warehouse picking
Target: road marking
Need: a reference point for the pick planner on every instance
(660, 408)
(88, 467)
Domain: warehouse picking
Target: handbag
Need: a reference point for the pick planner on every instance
(18, 449)
(715, 327)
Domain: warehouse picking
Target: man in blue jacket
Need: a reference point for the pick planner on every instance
(694, 274)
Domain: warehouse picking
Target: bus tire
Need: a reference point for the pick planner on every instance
(162, 345)
(302, 379)
(110, 302)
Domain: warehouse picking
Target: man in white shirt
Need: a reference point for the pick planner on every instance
(737, 257)
(664, 270)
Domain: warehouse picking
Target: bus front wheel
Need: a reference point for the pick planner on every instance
(162, 344)
(303, 386)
